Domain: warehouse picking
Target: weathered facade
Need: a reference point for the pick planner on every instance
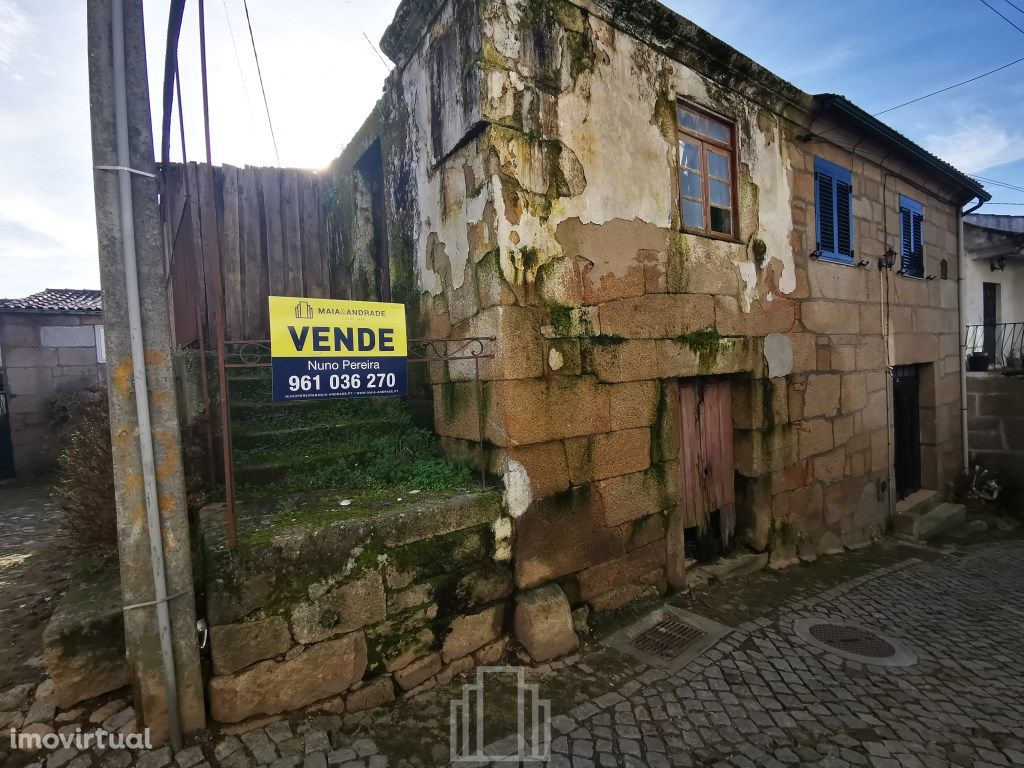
(51, 343)
(532, 159)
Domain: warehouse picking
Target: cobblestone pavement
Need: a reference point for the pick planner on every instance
(761, 697)
(32, 576)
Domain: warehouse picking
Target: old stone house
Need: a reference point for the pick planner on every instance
(697, 277)
(51, 343)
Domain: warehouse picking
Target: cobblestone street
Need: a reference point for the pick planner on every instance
(33, 573)
(760, 697)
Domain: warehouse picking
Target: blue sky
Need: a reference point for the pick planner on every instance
(323, 77)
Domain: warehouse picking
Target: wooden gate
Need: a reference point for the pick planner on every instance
(706, 455)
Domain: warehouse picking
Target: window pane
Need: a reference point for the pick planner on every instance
(721, 194)
(689, 156)
(718, 166)
(693, 214)
(721, 220)
(689, 120)
(718, 131)
(689, 183)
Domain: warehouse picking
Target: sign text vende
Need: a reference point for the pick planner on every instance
(325, 348)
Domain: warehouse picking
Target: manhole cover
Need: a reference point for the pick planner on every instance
(667, 639)
(854, 642)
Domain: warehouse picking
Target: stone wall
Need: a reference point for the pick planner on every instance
(995, 425)
(314, 607)
(537, 203)
(568, 250)
(43, 356)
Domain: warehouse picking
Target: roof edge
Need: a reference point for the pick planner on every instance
(890, 135)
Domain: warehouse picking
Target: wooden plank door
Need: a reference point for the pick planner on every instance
(706, 455)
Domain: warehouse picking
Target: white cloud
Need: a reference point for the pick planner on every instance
(13, 31)
(976, 146)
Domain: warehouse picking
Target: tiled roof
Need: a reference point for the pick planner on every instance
(894, 137)
(56, 300)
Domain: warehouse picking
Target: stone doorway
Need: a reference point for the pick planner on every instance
(907, 429)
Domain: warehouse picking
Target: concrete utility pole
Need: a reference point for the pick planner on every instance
(152, 515)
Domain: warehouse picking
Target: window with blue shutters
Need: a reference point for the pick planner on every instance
(834, 194)
(911, 237)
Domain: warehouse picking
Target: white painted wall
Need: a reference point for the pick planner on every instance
(1011, 292)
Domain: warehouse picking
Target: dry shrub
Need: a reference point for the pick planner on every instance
(84, 489)
(85, 473)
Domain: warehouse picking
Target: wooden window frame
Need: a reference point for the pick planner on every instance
(706, 144)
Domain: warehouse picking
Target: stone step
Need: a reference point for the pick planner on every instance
(918, 503)
(934, 521)
(736, 566)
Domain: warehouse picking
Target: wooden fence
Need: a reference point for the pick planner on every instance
(273, 241)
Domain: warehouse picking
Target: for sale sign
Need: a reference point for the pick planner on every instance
(324, 348)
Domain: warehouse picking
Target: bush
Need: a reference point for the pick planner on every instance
(85, 473)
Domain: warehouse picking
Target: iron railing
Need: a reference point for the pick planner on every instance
(995, 347)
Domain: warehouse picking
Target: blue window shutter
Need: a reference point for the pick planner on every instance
(834, 210)
(826, 213)
(911, 237)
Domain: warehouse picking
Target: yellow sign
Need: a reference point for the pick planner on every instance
(325, 348)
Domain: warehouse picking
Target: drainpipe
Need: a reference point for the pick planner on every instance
(965, 447)
(126, 213)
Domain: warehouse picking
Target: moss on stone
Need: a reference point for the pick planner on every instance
(708, 344)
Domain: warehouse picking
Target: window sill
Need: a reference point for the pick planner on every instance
(711, 235)
(839, 262)
(910, 277)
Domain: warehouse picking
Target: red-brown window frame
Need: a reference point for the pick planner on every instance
(706, 143)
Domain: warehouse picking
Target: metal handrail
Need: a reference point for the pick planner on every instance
(995, 347)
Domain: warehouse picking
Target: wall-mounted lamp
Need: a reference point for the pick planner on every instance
(999, 265)
(888, 259)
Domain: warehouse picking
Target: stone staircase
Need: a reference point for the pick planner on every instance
(923, 515)
(356, 445)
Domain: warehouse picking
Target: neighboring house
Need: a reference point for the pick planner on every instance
(993, 311)
(677, 253)
(51, 343)
(993, 290)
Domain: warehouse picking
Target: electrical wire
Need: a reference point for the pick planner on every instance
(238, 59)
(263, 87)
(1014, 5)
(379, 55)
(998, 183)
(950, 87)
(1001, 16)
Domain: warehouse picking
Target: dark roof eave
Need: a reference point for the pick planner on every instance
(873, 125)
(48, 311)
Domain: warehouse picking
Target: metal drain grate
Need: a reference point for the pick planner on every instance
(853, 640)
(667, 639)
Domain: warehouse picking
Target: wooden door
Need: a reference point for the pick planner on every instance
(706, 456)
